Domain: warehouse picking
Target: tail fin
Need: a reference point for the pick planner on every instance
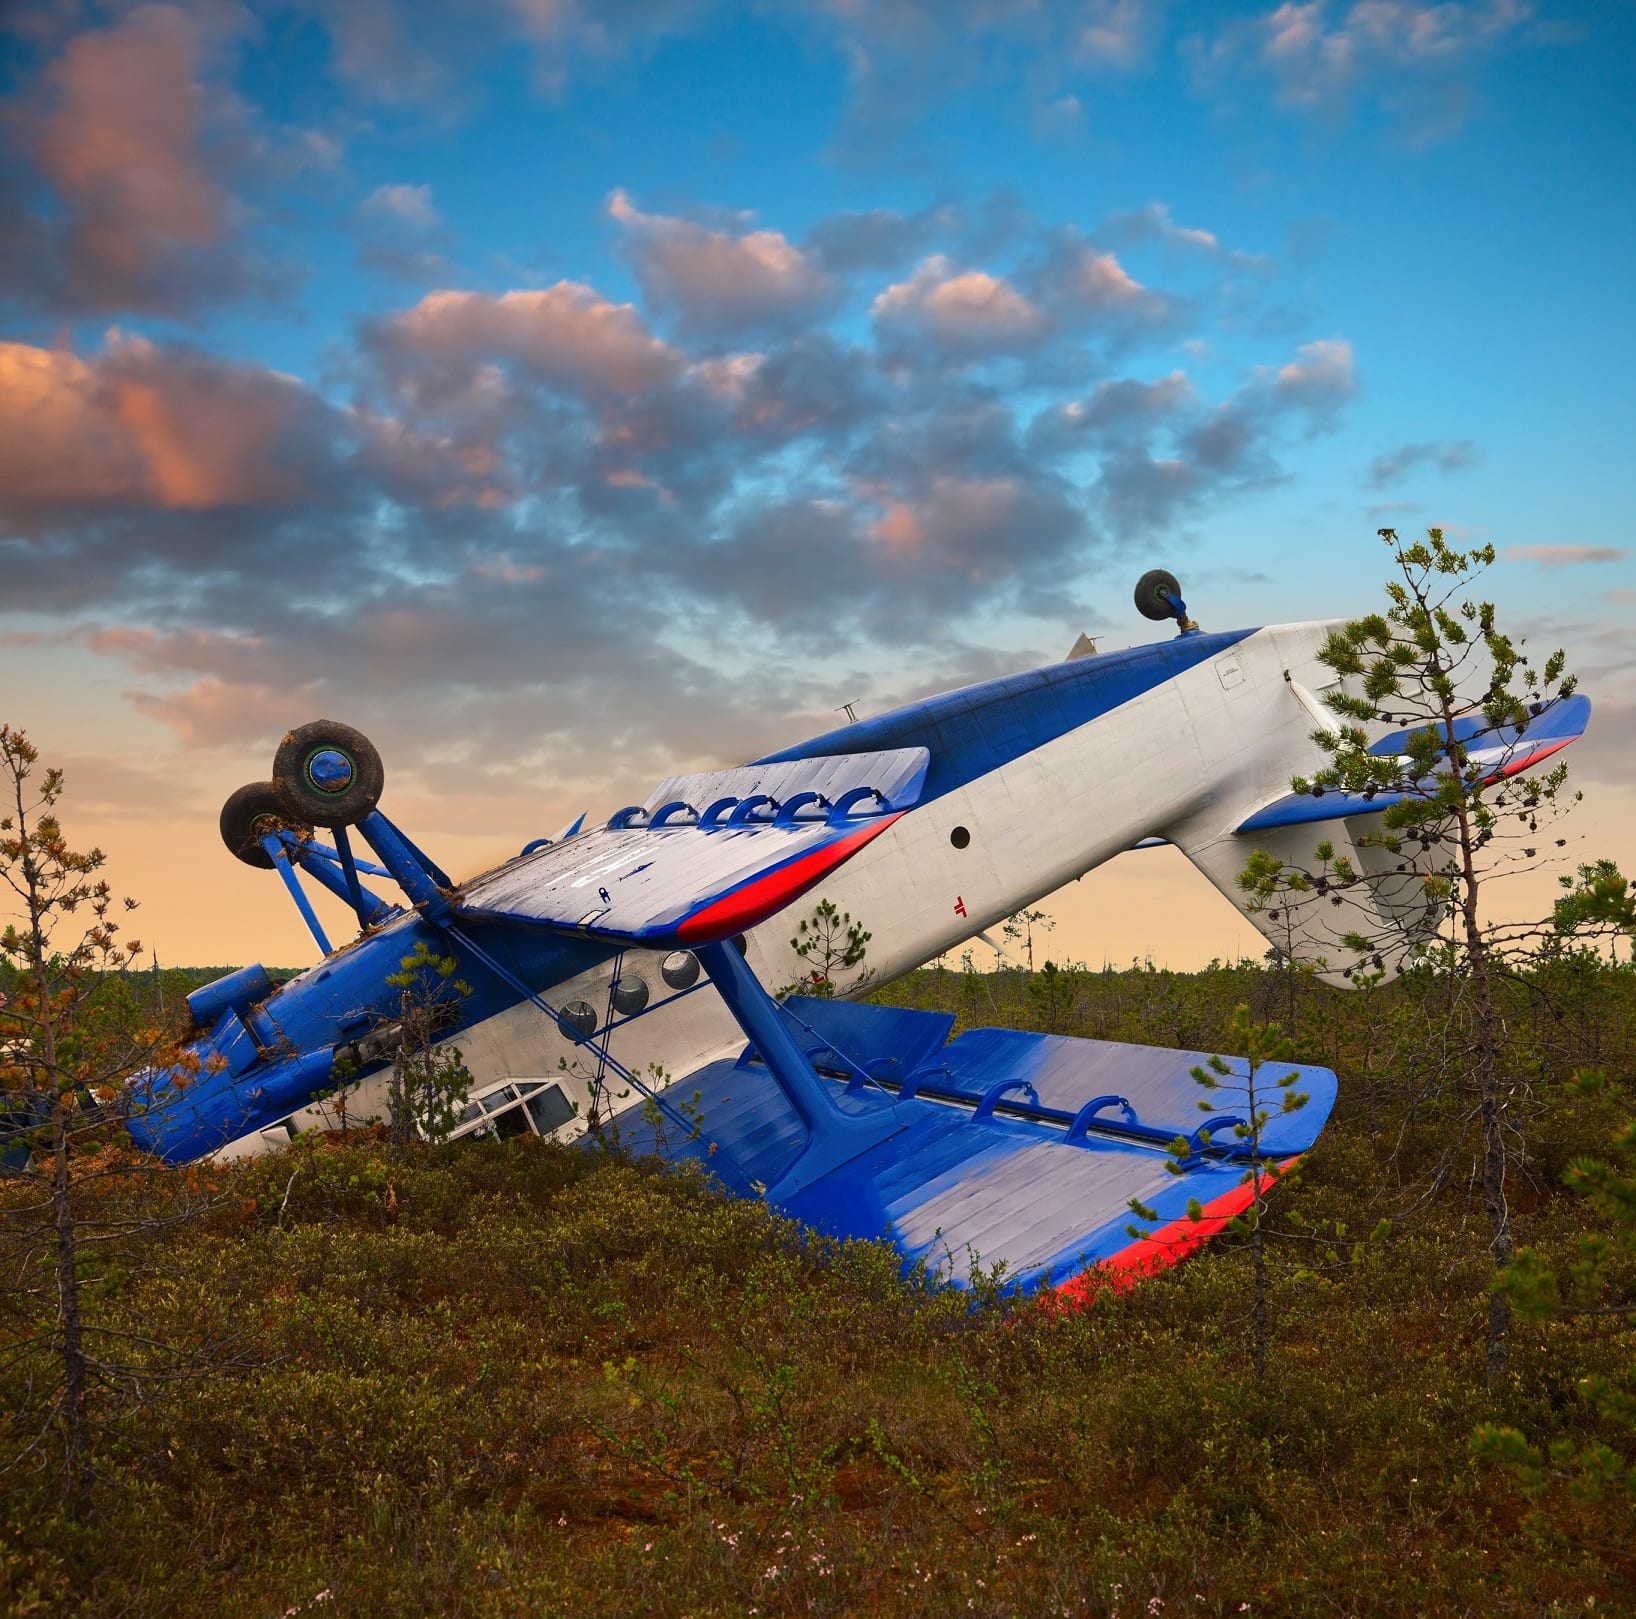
(1390, 908)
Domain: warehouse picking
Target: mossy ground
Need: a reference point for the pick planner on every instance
(517, 1379)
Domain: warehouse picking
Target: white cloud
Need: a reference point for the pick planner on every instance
(409, 206)
(1565, 556)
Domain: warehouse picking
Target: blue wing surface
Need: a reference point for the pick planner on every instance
(986, 1169)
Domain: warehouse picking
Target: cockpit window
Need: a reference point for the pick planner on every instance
(520, 1107)
(549, 1109)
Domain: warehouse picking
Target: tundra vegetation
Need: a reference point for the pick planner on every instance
(500, 1378)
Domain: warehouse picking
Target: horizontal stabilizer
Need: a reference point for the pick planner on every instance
(706, 856)
(1500, 753)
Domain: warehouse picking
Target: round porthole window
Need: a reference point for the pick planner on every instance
(960, 837)
(578, 1020)
(741, 944)
(680, 969)
(630, 995)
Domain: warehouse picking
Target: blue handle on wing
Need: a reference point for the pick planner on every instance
(706, 856)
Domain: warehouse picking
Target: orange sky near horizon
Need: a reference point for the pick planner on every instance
(199, 906)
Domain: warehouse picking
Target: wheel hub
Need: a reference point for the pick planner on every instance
(330, 770)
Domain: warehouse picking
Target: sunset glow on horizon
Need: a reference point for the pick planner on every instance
(567, 401)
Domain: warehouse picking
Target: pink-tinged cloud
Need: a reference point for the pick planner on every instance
(568, 336)
(1153, 222)
(1085, 287)
(62, 442)
(720, 283)
(965, 313)
(1321, 375)
(968, 526)
(1319, 54)
(1115, 410)
(119, 129)
(150, 427)
(1311, 54)
(213, 711)
(432, 469)
(238, 659)
(1099, 281)
(1117, 34)
(1565, 556)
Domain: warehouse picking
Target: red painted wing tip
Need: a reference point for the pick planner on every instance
(762, 896)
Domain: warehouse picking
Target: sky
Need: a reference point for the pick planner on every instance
(572, 393)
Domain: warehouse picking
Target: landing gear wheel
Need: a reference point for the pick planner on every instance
(328, 774)
(1156, 594)
(248, 816)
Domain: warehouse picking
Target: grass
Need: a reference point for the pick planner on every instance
(497, 1379)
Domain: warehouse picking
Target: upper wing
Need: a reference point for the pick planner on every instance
(708, 855)
(1503, 752)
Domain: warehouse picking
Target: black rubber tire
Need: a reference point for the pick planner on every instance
(1152, 589)
(248, 815)
(303, 798)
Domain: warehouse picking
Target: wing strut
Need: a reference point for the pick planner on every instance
(835, 1136)
(736, 1178)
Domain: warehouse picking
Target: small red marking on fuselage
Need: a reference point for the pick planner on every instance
(959, 905)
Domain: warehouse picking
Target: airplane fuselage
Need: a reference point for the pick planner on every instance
(1033, 780)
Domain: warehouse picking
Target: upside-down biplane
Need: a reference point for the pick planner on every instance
(618, 975)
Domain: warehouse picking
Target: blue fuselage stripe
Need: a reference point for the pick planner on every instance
(978, 729)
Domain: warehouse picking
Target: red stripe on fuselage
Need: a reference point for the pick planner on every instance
(759, 898)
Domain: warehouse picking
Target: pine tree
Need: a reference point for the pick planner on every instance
(830, 942)
(429, 1083)
(66, 1052)
(1438, 664)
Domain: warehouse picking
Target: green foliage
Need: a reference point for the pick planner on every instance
(1579, 1291)
(1596, 901)
(1051, 993)
(1409, 881)
(71, 1037)
(1020, 926)
(829, 942)
(1437, 664)
(429, 1084)
(499, 1378)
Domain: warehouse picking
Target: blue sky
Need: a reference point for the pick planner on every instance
(568, 393)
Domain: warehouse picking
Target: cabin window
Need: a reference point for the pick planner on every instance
(578, 1021)
(680, 969)
(630, 994)
(960, 837)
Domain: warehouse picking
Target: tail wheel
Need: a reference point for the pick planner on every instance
(1158, 596)
(328, 774)
(248, 816)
